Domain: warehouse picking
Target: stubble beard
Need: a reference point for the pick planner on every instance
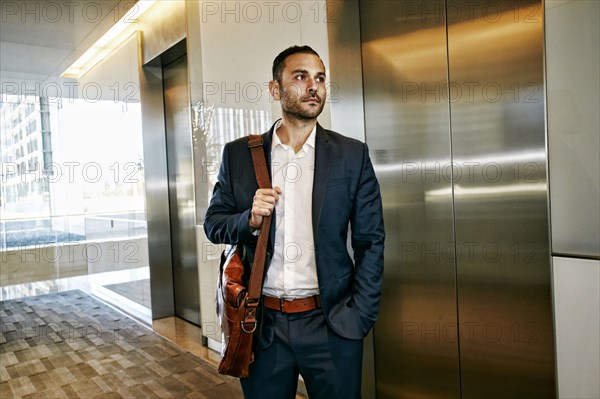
(292, 106)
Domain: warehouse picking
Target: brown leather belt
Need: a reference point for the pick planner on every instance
(293, 306)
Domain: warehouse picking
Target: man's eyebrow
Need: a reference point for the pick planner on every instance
(305, 71)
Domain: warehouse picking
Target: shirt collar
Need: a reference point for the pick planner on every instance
(310, 141)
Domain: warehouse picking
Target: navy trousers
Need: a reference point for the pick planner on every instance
(303, 343)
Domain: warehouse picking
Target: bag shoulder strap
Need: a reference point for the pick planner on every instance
(255, 143)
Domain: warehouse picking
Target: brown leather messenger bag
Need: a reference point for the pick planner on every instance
(237, 303)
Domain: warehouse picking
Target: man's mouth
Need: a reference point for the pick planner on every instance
(314, 100)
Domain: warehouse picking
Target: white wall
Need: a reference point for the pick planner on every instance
(573, 80)
(573, 77)
(240, 40)
(577, 318)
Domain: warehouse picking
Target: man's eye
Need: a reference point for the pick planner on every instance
(300, 77)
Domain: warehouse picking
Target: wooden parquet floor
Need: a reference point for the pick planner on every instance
(70, 345)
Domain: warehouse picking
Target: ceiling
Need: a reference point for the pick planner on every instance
(39, 40)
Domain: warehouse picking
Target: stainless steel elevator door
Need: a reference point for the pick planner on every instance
(454, 117)
(181, 190)
(495, 53)
(407, 129)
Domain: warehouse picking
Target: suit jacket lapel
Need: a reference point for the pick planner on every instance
(322, 161)
(267, 140)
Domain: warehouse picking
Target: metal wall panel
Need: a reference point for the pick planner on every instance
(157, 194)
(163, 26)
(347, 113)
(181, 190)
(161, 30)
(345, 70)
(455, 119)
(407, 129)
(495, 54)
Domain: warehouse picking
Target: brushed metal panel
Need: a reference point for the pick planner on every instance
(163, 26)
(573, 78)
(347, 114)
(181, 190)
(500, 198)
(157, 194)
(407, 129)
(162, 29)
(345, 72)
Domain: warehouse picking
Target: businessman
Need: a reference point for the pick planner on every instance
(318, 302)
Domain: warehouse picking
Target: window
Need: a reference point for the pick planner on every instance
(85, 191)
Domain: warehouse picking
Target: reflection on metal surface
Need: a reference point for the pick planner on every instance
(162, 31)
(455, 121)
(157, 195)
(205, 169)
(181, 191)
(163, 28)
(347, 114)
(505, 290)
(482, 192)
(212, 129)
(416, 350)
(519, 165)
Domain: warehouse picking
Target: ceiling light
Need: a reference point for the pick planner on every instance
(109, 41)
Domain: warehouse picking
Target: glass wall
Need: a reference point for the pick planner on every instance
(72, 187)
(61, 190)
(72, 203)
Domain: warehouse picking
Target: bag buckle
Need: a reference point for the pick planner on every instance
(255, 140)
(249, 323)
(248, 330)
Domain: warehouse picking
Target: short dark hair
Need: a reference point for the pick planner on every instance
(279, 61)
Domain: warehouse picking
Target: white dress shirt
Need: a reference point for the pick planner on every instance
(293, 270)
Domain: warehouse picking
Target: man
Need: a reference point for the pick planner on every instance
(318, 304)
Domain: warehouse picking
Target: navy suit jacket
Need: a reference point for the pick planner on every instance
(345, 192)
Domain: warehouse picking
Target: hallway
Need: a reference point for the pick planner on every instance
(480, 120)
(69, 345)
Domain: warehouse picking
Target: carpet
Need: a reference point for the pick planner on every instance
(70, 345)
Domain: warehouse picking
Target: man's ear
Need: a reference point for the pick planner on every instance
(274, 89)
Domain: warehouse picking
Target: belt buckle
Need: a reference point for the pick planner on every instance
(281, 303)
